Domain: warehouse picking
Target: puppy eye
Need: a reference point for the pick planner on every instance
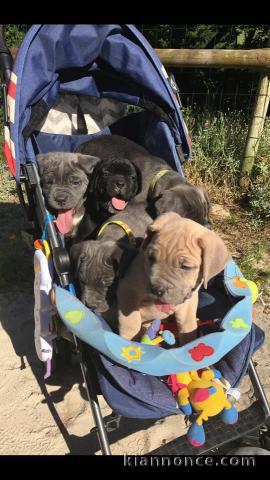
(75, 181)
(186, 267)
(108, 262)
(151, 257)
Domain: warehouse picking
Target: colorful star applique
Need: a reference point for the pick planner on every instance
(131, 353)
(239, 323)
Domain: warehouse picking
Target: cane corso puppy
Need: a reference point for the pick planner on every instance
(173, 193)
(175, 258)
(64, 180)
(109, 147)
(98, 264)
(166, 192)
(114, 183)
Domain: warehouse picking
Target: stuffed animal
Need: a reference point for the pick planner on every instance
(198, 391)
(156, 334)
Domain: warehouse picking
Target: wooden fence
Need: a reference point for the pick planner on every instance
(259, 60)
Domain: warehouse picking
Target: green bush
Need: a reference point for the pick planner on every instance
(14, 34)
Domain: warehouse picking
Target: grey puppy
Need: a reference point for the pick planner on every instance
(171, 192)
(98, 264)
(175, 194)
(64, 179)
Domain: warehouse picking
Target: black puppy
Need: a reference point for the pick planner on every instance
(113, 184)
(161, 187)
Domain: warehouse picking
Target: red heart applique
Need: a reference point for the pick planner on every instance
(200, 351)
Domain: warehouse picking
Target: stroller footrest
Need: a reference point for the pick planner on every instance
(217, 433)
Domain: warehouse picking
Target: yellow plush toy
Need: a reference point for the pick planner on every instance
(198, 391)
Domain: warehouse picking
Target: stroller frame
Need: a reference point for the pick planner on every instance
(28, 186)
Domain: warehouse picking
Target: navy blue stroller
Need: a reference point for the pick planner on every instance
(69, 84)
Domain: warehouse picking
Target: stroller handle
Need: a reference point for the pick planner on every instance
(6, 60)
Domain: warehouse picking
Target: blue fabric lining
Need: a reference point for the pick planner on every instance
(112, 61)
(144, 128)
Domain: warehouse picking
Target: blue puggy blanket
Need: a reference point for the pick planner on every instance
(135, 386)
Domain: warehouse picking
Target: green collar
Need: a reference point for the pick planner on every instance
(156, 178)
(124, 226)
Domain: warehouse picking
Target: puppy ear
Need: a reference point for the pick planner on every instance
(123, 256)
(42, 160)
(139, 178)
(94, 176)
(77, 254)
(206, 202)
(215, 255)
(169, 202)
(147, 239)
(87, 162)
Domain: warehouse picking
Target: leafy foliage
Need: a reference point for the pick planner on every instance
(207, 36)
(14, 34)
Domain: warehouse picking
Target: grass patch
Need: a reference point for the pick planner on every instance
(218, 148)
(250, 262)
(218, 144)
(249, 244)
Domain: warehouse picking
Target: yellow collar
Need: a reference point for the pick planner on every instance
(124, 226)
(156, 178)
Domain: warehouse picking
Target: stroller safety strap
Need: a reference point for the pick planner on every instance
(158, 361)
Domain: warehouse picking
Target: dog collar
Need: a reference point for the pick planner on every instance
(124, 226)
(156, 178)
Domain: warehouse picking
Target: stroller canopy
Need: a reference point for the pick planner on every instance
(102, 61)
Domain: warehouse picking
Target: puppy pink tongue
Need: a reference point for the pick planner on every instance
(118, 203)
(64, 221)
(164, 307)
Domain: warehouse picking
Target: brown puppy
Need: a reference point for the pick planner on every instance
(175, 258)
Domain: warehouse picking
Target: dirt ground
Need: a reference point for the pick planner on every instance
(54, 417)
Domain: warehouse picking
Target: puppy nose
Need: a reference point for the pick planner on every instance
(157, 290)
(120, 183)
(61, 198)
